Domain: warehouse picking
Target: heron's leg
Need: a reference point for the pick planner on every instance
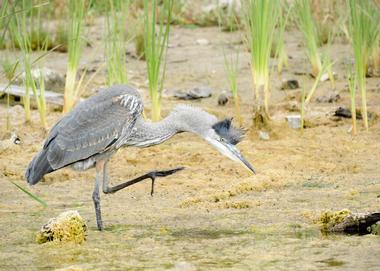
(95, 194)
(151, 175)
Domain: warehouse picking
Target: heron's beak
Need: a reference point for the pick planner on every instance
(231, 152)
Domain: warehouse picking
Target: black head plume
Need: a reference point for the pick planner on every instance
(226, 131)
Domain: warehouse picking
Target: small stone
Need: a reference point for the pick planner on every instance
(264, 135)
(294, 121)
(345, 112)
(202, 42)
(290, 84)
(222, 99)
(69, 226)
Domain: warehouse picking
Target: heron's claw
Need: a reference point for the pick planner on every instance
(162, 173)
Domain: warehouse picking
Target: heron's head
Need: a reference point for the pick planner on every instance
(220, 134)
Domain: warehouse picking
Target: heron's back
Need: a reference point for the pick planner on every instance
(94, 126)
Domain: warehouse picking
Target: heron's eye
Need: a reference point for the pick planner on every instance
(222, 139)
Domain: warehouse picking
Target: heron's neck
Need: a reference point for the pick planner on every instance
(148, 133)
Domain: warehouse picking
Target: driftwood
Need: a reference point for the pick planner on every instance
(51, 97)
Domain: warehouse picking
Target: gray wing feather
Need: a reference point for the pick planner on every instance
(94, 126)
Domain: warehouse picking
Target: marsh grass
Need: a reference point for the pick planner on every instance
(306, 24)
(279, 39)
(30, 194)
(260, 19)
(20, 32)
(9, 69)
(303, 94)
(351, 78)
(326, 66)
(155, 48)
(115, 42)
(231, 67)
(77, 12)
(364, 32)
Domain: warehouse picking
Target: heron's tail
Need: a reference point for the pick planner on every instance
(38, 167)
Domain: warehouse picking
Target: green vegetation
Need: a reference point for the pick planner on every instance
(30, 194)
(231, 67)
(77, 12)
(260, 22)
(155, 47)
(307, 26)
(23, 36)
(352, 88)
(279, 39)
(115, 42)
(364, 32)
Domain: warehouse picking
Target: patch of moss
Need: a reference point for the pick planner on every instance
(67, 227)
(329, 219)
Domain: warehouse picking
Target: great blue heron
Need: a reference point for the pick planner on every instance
(96, 128)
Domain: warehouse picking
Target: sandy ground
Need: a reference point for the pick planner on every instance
(214, 215)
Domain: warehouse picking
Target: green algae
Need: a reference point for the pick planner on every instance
(329, 219)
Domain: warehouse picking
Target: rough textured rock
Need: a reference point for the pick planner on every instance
(69, 226)
(345, 221)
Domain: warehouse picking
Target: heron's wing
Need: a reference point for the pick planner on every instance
(92, 127)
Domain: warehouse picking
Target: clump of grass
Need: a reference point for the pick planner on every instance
(228, 16)
(352, 88)
(115, 41)
(307, 26)
(4, 21)
(260, 21)
(363, 32)
(77, 12)
(22, 35)
(155, 48)
(9, 70)
(279, 40)
(231, 67)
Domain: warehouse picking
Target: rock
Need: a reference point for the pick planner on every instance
(222, 99)
(345, 221)
(263, 135)
(294, 121)
(52, 79)
(289, 84)
(331, 97)
(68, 226)
(202, 42)
(345, 112)
(192, 94)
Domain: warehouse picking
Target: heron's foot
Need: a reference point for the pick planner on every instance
(162, 173)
